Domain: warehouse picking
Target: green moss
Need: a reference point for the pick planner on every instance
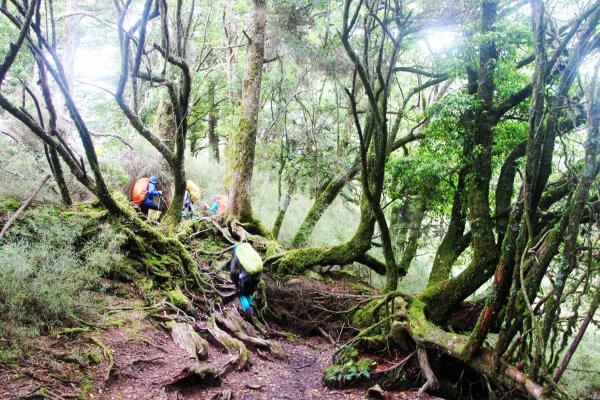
(291, 338)
(314, 275)
(93, 357)
(272, 248)
(115, 322)
(170, 324)
(9, 205)
(178, 299)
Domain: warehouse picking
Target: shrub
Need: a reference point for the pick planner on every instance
(48, 272)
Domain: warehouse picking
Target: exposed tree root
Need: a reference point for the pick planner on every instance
(309, 305)
(427, 335)
(184, 335)
(431, 382)
(108, 355)
(241, 357)
(196, 374)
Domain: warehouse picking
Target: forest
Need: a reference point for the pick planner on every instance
(381, 199)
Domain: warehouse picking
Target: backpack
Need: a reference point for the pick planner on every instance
(194, 190)
(223, 203)
(138, 194)
(249, 258)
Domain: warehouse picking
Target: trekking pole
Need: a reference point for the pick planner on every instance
(164, 202)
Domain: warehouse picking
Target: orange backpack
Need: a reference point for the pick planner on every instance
(223, 202)
(138, 194)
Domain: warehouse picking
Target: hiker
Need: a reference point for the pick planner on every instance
(245, 271)
(188, 212)
(192, 193)
(220, 204)
(143, 193)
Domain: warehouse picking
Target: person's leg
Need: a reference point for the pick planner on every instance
(244, 302)
(154, 206)
(144, 209)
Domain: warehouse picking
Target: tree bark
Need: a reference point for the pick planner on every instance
(292, 181)
(244, 141)
(454, 241)
(415, 232)
(213, 138)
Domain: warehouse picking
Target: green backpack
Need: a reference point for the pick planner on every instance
(249, 258)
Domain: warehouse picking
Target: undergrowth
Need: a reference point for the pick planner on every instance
(49, 271)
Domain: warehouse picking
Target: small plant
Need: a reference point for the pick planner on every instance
(349, 373)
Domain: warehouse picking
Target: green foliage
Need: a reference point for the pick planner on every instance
(348, 373)
(48, 270)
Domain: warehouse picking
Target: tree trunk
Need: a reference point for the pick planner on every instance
(333, 188)
(570, 252)
(297, 261)
(69, 43)
(213, 138)
(59, 177)
(293, 180)
(321, 203)
(454, 241)
(415, 232)
(244, 141)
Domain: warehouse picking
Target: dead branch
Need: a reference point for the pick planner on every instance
(23, 206)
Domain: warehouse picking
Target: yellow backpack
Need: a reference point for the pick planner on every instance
(249, 258)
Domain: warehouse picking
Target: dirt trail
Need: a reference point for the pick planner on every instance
(148, 360)
(145, 360)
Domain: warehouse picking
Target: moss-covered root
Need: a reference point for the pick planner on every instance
(241, 357)
(428, 335)
(108, 356)
(197, 374)
(165, 259)
(377, 309)
(235, 325)
(184, 335)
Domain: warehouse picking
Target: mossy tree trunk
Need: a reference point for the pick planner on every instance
(243, 144)
(283, 207)
(454, 241)
(297, 261)
(213, 138)
(51, 153)
(59, 176)
(415, 231)
(322, 201)
(332, 189)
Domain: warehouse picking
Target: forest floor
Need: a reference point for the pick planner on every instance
(126, 355)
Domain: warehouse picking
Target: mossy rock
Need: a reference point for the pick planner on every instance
(178, 299)
(314, 275)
